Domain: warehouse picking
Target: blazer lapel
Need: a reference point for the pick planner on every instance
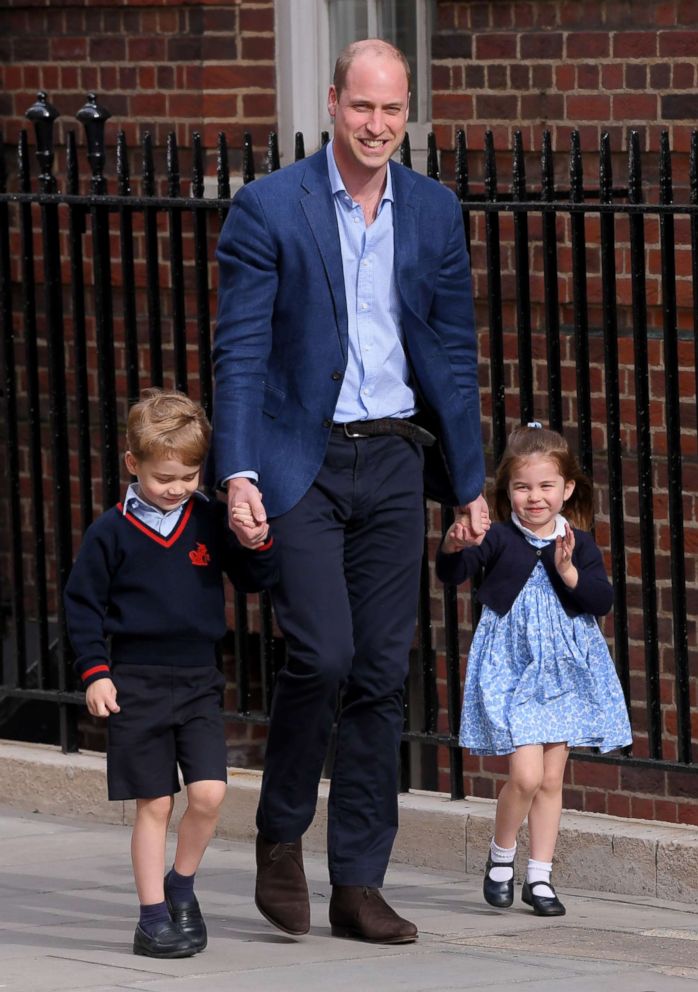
(318, 207)
(406, 232)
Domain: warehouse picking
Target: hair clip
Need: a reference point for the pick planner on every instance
(535, 424)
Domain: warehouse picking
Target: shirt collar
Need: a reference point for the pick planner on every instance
(133, 499)
(337, 183)
(529, 535)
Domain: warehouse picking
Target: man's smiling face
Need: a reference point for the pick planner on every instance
(370, 113)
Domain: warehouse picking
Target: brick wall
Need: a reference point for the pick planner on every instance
(194, 65)
(208, 65)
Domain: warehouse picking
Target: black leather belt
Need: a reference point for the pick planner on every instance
(387, 425)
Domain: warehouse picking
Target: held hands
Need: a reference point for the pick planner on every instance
(564, 546)
(101, 698)
(469, 528)
(246, 514)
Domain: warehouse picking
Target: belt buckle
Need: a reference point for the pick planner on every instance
(351, 434)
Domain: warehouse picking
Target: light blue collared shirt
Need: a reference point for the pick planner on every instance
(163, 522)
(376, 379)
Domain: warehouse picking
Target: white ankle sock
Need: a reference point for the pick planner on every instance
(539, 871)
(498, 855)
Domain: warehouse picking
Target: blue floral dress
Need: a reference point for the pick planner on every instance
(537, 676)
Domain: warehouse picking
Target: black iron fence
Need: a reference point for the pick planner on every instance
(588, 303)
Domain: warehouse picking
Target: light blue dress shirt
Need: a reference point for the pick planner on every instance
(163, 522)
(376, 379)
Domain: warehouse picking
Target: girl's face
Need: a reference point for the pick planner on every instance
(537, 492)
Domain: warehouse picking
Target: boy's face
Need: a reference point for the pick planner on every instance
(164, 482)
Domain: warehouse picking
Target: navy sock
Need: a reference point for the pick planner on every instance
(155, 913)
(180, 888)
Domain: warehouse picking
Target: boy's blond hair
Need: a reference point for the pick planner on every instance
(166, 424)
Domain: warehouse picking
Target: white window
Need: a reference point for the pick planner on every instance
(309, 36)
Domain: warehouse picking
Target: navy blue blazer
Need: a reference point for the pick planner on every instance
(509, 559)
(280, 348)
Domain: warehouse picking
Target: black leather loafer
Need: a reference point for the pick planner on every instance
(166, 941)
(188, 919)
(542, 905)
(498, 894)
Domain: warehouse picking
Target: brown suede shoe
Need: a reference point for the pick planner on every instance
(362, 913)
(281, 892)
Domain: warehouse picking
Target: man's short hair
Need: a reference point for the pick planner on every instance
(168, 424)
(372, 46)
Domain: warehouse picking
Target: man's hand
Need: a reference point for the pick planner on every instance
(101, 698)
(246, 514)
(470, 526)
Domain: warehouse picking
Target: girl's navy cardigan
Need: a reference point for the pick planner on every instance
(508, 560)
(136, 597)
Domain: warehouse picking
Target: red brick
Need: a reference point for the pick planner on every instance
(683, 75)
(489, 108)
(258, 48)
(74, 49)
(638, 107)
(681, 43)
(543, 45)
(635, 44)
(588, 45)
(107, 49)
(452, 106)
(256, 18)
(495, 46)
(255, 105)
(588, 108)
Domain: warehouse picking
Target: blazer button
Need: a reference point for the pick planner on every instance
(336, 376)
(539, 552)
(326, 423)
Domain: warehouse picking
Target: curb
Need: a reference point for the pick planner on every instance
(594, 851)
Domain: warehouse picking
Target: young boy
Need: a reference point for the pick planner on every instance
(145, 607)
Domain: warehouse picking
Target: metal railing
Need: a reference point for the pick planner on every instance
(104, 293)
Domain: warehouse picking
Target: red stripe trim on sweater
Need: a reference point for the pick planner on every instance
(166, 542)
(265, 547)
(91, 671)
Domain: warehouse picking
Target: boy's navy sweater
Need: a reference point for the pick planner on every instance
(508, 559)
(159, 599)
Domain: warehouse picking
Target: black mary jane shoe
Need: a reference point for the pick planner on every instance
(498, 894)
(542, 905)
(165, 941)
(188, 919)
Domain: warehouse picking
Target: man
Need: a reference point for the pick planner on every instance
(345, 311)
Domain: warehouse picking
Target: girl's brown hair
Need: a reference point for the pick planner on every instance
(166, 424)
(525, 441)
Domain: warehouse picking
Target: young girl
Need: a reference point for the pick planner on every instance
(540, 679)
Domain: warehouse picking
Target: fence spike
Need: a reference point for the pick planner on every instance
(518, 174)
(432, 157)
(462, 184)
(93, 118)
(273, 157)
(248, 173)
(3, 167)
(197, 169)
(666, 189)
(23, 162)
(634, 168)
(693, 167)
(490, 167)
(605, 170)
(72, 169)
(42, 114)
(148, 166)
(222, 168)
(123, 177)
(173, 184)
(299, 151)
(324, 138)
(576, 169)
(547, 173)
(406, 152)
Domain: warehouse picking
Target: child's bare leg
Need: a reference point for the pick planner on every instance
(148, 847)
(544, 815)
(198, 824)
(514, 802)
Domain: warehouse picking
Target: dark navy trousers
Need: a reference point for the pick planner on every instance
(350, 555)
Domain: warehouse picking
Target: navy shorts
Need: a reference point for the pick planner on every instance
(169, 716)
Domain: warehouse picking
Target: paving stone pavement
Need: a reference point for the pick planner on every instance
(68, 911)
